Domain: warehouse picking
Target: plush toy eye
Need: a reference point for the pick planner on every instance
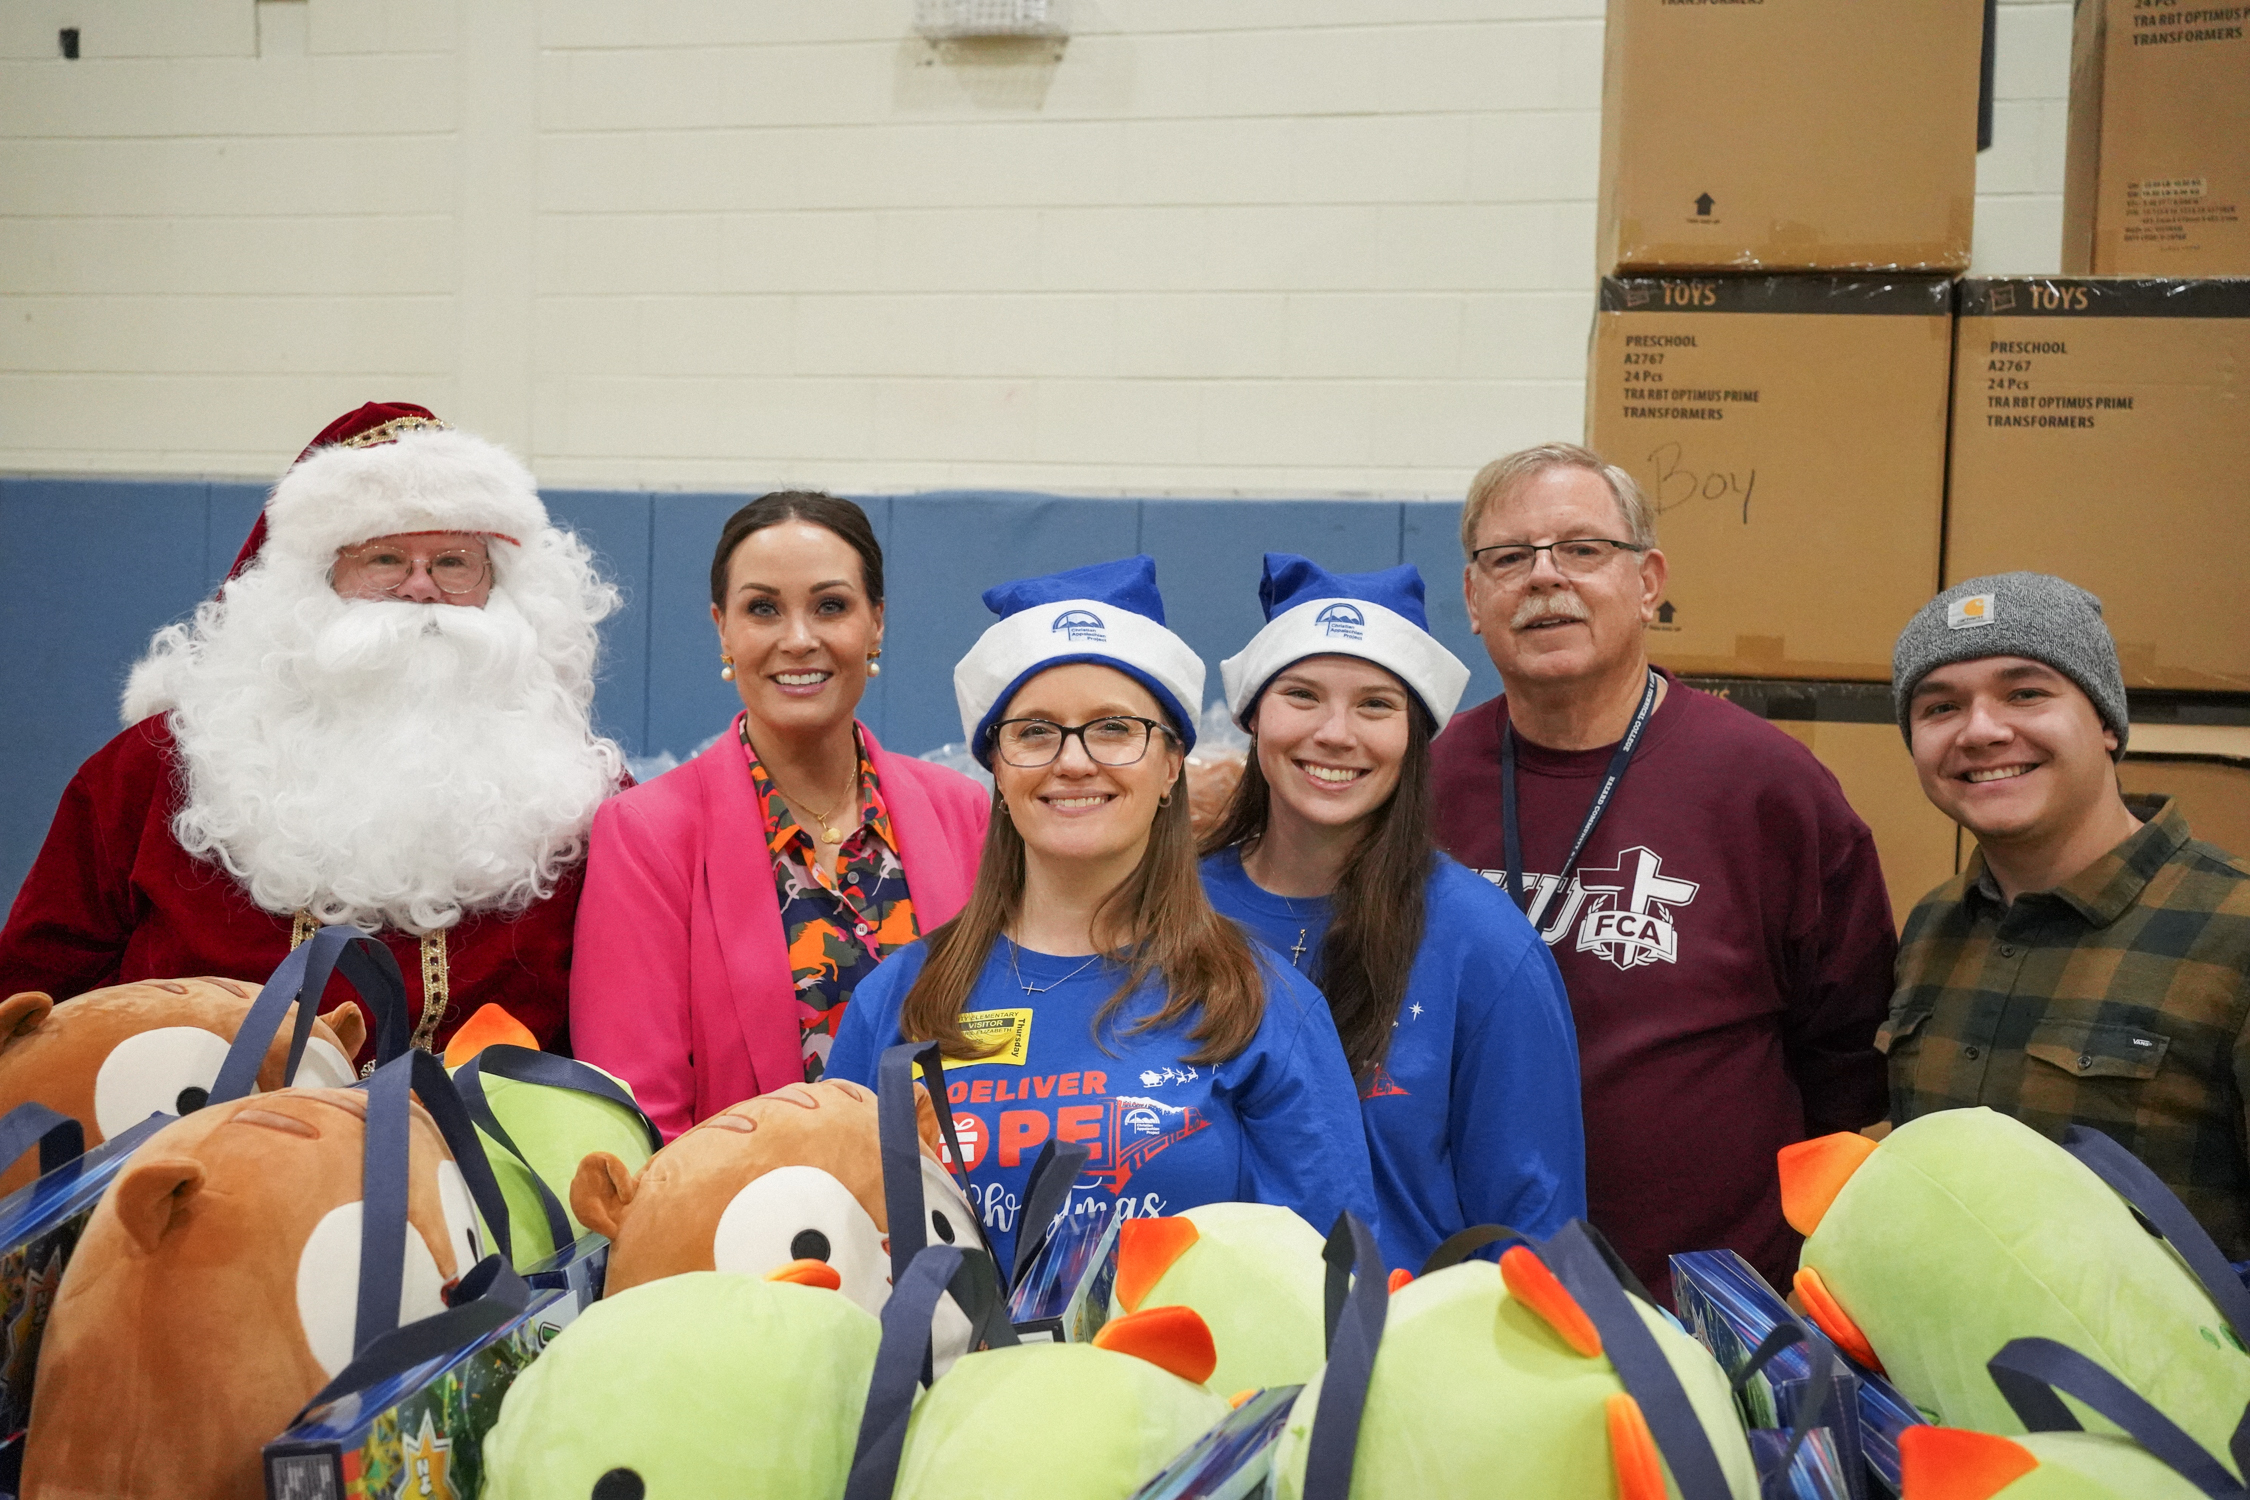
(153, 1071)
(462, 1231)
(802, 1213)
(946, 1211)
(619, 1484)
(324, 1066)
(191, 1099)
(328, 1283)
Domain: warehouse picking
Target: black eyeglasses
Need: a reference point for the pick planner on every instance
(1576, 557)
(1117, 740)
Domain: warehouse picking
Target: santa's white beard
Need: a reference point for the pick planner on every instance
(379, 762)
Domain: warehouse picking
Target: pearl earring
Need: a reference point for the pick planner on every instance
(874, 663)
(726, 669)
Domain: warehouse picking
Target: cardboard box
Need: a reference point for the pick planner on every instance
(1778, 135)
(1791, 432)
(2101, 431)
(1850, 727)
(2205, 766)
(2156, 181)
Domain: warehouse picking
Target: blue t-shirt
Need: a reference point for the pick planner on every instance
(1472, 1116)
(1276, 1123)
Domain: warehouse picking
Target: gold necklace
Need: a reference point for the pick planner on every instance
(829, 833)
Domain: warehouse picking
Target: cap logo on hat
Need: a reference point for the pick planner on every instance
(1969, 613)
(1079, 625)
(1342, 620)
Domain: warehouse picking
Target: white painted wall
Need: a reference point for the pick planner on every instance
(1267, 246)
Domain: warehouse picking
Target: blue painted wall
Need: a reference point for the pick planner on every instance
(90, 568)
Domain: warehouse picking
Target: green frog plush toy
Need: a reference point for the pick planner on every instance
(1252, 1271)
(2057, 1459)
(540, 1116)
(1967, 1229)
(1537, 1376)
(703, 1384)
(1032, 1421)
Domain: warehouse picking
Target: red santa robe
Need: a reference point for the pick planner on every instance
(113, 898)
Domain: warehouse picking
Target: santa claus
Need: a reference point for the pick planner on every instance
(382, 719)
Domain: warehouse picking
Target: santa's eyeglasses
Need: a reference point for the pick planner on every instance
(455, 571)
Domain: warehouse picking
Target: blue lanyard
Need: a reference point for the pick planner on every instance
(1511, 853)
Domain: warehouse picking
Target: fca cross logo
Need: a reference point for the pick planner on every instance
(1623, 913)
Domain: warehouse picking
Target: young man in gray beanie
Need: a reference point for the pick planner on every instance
(2091, 965)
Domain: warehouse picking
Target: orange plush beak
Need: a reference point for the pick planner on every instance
(808, 1273)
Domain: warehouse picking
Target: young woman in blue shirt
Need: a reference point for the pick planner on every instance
(1088, 992)
(1451, 1012)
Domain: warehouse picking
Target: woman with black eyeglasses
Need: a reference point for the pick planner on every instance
(1088, 992)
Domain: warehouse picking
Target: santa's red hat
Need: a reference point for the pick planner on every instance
(388, 469)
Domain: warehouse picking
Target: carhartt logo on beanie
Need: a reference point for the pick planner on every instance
(2032, 615)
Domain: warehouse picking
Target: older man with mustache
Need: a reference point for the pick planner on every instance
(1714, 904)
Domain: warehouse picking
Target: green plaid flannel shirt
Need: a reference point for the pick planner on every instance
(2116, 1000)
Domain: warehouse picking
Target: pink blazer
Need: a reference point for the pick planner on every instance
(680, 983)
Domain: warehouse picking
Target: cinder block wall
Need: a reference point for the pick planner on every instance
(1309, 247)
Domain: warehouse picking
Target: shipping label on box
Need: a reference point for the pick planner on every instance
(1789, 135)
(1790, 431)
(2157, 181)
(2101, 432)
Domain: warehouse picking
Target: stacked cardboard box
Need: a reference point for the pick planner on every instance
(2205, 766)
(1790, 431)
(1790, 428)
(1804, 135)
(2157, 181)
(2101, 431)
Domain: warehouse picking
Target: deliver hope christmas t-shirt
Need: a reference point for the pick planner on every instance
(1726, 940)
(1472, 1115)
(1276, 1123)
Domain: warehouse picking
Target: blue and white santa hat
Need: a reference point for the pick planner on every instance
(1109, 613)
(1376, 617)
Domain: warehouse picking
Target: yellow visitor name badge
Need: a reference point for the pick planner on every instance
(1008, 1030)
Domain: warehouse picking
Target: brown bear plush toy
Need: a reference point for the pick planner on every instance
(111, 1058)
(788, 1185)
(215, 1292)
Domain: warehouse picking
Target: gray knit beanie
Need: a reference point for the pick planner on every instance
(2032, 615)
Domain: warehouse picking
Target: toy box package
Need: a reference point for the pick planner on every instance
(1234, 1460)
(1816, 1471)
(1065, 1292)
(1730, 1310)
(39, 1228)
(420, 1433)
(577, 1269)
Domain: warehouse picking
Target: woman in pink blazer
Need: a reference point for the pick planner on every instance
(731, 906)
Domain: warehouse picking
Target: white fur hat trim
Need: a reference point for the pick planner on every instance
(428, 479)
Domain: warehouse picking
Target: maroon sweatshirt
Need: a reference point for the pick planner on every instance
(1726, 940)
